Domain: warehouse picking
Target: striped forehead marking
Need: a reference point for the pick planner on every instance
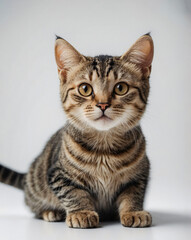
(103, 64)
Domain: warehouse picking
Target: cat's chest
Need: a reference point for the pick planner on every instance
(106, 183)
(104, 191)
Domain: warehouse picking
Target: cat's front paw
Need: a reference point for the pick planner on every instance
(136, 219)
(82, 219)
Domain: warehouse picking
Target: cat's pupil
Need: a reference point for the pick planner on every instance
(120, 87)
(85, 88)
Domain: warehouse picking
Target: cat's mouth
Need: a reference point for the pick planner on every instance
(103, 117)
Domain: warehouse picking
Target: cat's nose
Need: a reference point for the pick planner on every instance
(103, 106)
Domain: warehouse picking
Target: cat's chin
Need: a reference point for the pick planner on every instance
(102, 124)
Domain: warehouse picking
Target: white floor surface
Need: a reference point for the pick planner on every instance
(175, 226)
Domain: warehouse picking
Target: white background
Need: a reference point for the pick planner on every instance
(30, 108)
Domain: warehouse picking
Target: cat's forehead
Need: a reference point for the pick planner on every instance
(103, 64)
(101, 70)
(110, 69)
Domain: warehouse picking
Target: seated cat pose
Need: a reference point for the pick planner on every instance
(96, 166)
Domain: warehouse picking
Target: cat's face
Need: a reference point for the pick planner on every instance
(104, 92)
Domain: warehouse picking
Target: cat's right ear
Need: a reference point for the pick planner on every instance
(66, 57)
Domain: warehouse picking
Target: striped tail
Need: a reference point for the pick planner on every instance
(11, 177)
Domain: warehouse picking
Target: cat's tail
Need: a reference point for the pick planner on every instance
(11, 177)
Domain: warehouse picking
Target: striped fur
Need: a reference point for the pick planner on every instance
(96, 166)
(11, 177)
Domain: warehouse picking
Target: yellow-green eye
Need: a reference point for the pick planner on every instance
(85, 89)
(121, 88)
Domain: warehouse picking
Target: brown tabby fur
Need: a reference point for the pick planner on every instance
(94, 168)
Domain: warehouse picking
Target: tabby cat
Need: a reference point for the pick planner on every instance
(95, 167)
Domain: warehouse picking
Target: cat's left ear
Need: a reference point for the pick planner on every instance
(66, 56)
(141, 53)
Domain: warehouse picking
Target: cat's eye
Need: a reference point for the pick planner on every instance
(85, 89)
(121, 88)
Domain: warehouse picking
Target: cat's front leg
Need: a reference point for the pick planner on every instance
(130, 207)
(75, 200)
(80, 210)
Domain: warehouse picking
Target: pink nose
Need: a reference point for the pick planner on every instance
(103, 106)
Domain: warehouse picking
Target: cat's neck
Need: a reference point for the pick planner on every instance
(113, 138)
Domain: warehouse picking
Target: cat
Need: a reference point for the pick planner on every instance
(95, 167)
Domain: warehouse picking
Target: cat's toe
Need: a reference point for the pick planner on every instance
(52, 216)
(136, 219)
(82, 219)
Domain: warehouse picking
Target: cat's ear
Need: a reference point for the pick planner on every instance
(66, 56)
(141, 53)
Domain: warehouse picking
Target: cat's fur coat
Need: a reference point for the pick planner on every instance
(95, 167)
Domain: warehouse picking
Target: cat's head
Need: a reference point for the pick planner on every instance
(104, 92)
